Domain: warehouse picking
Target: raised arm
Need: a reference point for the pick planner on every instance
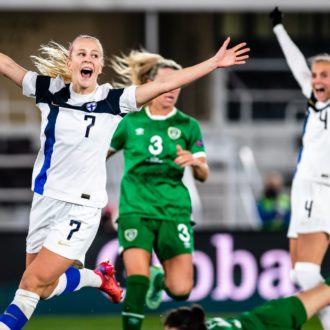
(11, 70)
(179, 78)
(294, 57)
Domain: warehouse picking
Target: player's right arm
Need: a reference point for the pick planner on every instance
(294, 57)
(11, 70)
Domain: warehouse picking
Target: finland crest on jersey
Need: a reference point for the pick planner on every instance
(76, 131)
(91, 106)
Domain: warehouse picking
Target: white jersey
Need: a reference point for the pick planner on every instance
(314, 157)
(76, 131)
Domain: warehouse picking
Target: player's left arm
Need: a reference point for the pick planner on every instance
(119, 138)
(225, 57)
(198, 164)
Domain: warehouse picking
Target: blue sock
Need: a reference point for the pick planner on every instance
(13, 317)
(20, 310)
(72, 279)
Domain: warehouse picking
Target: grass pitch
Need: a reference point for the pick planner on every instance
(151, 322)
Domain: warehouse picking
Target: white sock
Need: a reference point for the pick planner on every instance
(74, 279)
(20, 310)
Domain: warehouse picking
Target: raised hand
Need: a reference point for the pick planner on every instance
(276, 16)
(233, 56)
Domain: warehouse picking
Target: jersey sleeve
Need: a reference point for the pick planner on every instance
(35, 85)
(29, 84)
(196, 144)
(128, 100)
(295, 59)
(119, 137)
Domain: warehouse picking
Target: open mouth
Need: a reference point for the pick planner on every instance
(86, 72)
(320, 90)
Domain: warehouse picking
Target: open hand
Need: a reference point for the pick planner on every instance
(236, 55)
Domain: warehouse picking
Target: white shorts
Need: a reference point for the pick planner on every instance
(310, 208)
(64, 228)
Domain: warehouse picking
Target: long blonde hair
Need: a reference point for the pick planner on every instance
(139, 66)
(53, 58)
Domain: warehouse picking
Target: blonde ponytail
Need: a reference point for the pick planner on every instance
(53, 61)
(139, 66)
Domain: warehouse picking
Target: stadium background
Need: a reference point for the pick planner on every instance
(251, 118)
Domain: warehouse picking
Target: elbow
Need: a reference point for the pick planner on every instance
(203, 174)
(202, 178)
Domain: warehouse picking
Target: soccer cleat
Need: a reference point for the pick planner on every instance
(154, 293)
(109, 283)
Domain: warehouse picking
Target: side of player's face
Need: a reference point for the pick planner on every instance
(169, 99)
(85, 64)
(321, 81)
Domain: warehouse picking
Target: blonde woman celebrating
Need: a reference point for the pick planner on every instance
(78, 118)
(309, 229)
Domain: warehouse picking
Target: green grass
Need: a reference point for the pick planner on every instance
(151, 322)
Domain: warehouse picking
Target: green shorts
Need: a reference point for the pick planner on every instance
(167, 238)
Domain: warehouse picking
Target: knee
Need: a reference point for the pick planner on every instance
(307, 274)
(34, 283)
(179, 289)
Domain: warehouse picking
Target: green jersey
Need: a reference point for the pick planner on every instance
(152, 182)
(284, 313)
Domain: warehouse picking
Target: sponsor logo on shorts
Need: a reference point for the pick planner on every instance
(174, 133)
(187, 245)
(63, 243)
(130, 234)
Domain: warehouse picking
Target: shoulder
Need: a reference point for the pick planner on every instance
(187, 120)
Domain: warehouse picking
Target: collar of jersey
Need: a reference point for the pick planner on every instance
(322, 105)
(160, 117)
(81, 97)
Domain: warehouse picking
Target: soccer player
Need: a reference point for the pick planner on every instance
(309, 225)
(78, 118)
(285, 313)
(155, 206)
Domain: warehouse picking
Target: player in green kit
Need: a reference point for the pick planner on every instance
(285, 314)
(155, 207)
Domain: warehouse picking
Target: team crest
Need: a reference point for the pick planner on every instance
(139, 131)
(174, 133)
(91, 106)
(130, 234)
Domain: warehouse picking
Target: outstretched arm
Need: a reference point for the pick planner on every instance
(11, 70)
(223, 58)
(295, 59)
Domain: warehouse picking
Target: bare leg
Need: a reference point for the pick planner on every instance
(315, 299)
(293, 250)
(179, 274)
(312, 247)
(136, 261)
(42, 274)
